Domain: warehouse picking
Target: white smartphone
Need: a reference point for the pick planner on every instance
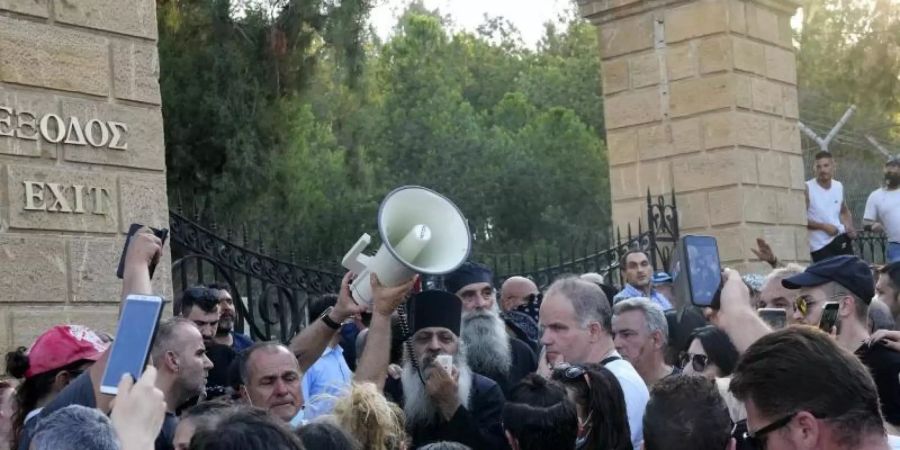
(134, 339)
(446, 362)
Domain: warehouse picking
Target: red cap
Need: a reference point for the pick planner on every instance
(62, 345)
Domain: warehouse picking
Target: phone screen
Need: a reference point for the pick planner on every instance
(705, 272)
(775, 317)
(829, 316)
(134, 336)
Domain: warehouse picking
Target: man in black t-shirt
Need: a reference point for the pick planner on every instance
(847, 280)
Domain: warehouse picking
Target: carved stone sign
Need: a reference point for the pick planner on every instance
(69, 130)
(56, 197)
(53, 199)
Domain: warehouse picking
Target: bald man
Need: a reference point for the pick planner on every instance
(515, 292)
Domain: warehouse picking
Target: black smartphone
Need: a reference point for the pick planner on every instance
(161, 233)
(775, 317)
(134, 339)
(829, 316)
(696, 270)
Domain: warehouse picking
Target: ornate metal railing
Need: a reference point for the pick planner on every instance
(270, 294)
(657, 239)
(871, 247)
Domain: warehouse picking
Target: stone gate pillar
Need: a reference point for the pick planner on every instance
(700, 97)
(81, 157)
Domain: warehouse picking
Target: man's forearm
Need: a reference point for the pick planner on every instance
(136, 280)
(309, 345)
(744, 329)
(374, 361)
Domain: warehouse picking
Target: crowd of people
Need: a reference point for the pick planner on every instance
(578, 364)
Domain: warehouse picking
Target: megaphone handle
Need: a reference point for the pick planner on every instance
(355, 261)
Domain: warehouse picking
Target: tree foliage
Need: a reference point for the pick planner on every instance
(295, 117)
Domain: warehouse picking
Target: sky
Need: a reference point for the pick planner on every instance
(528, 16)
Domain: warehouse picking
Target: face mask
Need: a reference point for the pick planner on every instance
(892, 179)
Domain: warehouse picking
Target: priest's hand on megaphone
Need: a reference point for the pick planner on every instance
(385, 300)
(345, 306)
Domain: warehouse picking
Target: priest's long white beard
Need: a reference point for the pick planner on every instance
(487, 344)
(420, 409)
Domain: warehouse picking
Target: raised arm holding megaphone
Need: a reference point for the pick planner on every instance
(421, 232)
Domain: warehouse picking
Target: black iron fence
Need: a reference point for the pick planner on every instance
(871, 247)
(657, 237)
(271, 293)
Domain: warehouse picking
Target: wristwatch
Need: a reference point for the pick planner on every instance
(328, 321)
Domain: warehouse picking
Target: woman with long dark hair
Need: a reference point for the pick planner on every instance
(56, 358)
(600, 406)
(711, 354)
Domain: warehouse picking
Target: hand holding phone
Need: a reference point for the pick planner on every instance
(829, 316)
(134, 339)
(142, 249)
(697, 272)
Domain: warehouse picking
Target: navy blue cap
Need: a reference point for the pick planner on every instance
(467, 274)
(434, 308)
(847, 270)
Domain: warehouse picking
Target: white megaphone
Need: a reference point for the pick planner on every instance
(421, 232)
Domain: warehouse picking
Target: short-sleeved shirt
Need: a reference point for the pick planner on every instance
(883, 206)
(636, 395)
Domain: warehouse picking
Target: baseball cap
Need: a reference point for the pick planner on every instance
(62, 345)
(847, 270)
(661, 278)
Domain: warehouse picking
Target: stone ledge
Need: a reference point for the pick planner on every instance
(603, 11)
(131, 17)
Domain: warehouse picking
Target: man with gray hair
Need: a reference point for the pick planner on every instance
(577, 329)
(640, 334)
(75, 427)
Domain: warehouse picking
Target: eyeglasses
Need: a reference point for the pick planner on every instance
(698, 362)
(804, 302)
(757, 438)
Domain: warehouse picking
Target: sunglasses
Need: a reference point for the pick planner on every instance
(757, 439)
(698, 362)
(804, 302)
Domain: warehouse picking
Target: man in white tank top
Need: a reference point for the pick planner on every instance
(830, 223)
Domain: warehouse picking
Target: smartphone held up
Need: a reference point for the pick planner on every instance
(134, 339)
(696, 270)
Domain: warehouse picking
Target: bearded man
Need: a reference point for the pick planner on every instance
(490, 350)
(440, 405)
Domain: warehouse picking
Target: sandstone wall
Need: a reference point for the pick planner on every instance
(81, 157)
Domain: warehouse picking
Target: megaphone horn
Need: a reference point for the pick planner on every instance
(421, 232)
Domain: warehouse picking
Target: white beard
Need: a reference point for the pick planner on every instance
(418, 406)
(488, 349)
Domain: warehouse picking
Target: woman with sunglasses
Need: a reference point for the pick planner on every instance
(711, 354)
(599, 404)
